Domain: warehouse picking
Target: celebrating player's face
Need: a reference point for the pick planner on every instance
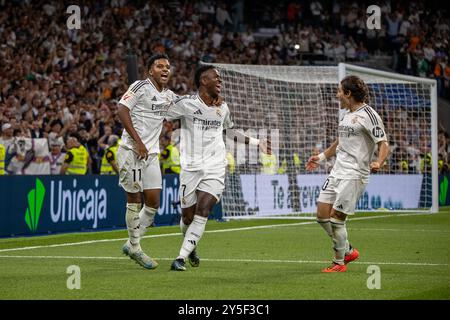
(343, 99)
(160, 72)
(213, 83)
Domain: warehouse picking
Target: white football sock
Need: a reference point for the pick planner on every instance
(339, 240)
(326, 225)
(132, 220)
(183, 227)
(193, 235)
(348, 248)
(146, 218)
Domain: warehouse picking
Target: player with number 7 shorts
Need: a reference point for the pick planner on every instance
(204, 117)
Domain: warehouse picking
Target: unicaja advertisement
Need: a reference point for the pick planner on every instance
(47, 204)
(69, 203)
(36, 205)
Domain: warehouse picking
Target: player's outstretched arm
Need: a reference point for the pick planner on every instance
(315, 160)
(383, 151)
(125, 118)
(263, 144)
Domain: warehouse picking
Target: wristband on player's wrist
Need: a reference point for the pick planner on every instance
(322, 157)
(253, 141)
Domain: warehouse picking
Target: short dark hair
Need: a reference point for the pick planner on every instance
(356, 86)
(155, 57)
(200, 70)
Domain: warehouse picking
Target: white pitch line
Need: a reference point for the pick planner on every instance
(238, 260)
(397, 230)
(212, 231)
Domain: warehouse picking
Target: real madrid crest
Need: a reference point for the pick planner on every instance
(219, 112)
(355, 119)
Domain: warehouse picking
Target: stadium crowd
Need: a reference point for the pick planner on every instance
(58, 83)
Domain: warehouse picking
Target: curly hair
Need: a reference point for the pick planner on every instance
(356, 86)
(198, 73)
(155, 57)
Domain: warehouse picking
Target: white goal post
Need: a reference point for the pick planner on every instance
(296, 105)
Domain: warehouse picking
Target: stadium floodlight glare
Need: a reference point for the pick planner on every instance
(302, 104)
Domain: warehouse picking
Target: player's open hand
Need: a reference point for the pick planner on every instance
(265, 146)
(313, 163)
(142, 151)
(374, 167)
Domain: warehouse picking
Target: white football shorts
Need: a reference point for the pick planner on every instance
(342, 193)
(137, 175)
(191, 181)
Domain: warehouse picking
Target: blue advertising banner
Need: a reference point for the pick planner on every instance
(46, 204)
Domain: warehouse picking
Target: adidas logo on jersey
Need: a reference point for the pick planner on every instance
(340, 206)
(198, 112)
(154, 99)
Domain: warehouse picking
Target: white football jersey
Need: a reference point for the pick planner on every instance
(359, 132)
(201, 146)
(148, 109)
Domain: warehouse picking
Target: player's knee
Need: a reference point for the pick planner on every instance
(133, 197)
(187, 220)
(203, 210)
(323, 210)
(152, 203)
(338, 215)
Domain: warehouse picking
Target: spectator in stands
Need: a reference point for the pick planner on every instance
(77, 159)
(36, 130)
(57, 157)
(223, 17)
(7, 138)
(170, 156)
(109, 161)
(72, 78)
(316, 12)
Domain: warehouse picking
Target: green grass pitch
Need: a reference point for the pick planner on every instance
(262, 259)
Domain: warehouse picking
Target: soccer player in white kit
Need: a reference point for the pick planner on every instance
(360, 132)
(142, 110)
(203, 118)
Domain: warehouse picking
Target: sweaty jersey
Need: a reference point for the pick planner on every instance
(201, 141)
(359, 132)
(148, 108)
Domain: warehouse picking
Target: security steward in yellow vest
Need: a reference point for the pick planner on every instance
(231, 165)
(269, 163)
(2, 159)
(109, 164)
(425, 163)
(297, 164)
(77, 158)
(170, 157)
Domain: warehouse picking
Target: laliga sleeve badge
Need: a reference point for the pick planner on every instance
(183, 201)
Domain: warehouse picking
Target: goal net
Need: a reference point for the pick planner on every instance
(296, 108)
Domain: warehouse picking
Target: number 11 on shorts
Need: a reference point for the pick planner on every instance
(139, 174)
